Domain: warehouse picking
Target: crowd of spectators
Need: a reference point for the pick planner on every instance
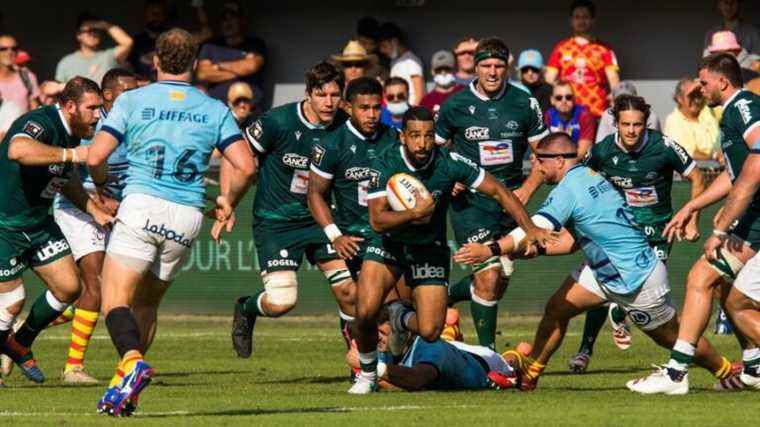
(574, 86)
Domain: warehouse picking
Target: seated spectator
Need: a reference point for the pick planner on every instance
(17, 84)
(747, 34)
(49, 91)
(464, 50)
(404, 63)
(607, 121)
(353, 61)
(88, 60)
(692, 123)
(240, 101)
(396, 97)
(367, 34)
(573, 119)
(530, 65)
(442, 69)
(725, 42)
(9, 112)
(232, 57)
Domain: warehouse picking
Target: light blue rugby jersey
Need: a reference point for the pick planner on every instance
(117, 172)
(169, 130)
(615, 248)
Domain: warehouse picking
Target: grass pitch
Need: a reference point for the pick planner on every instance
(297, 377)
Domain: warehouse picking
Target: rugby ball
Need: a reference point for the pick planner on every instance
(401, 189)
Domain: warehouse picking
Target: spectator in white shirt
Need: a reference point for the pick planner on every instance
(404, 63)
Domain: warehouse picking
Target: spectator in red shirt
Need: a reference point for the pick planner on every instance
(588, 64)
(573, 119)
(442, 66)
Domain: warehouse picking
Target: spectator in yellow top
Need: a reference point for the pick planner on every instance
(692, 124)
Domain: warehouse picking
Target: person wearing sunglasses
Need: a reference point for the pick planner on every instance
(396, 94)
(17, 84)
(567, 116)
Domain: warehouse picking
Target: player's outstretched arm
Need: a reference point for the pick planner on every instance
(97, 156)
(30, 152)
(717, 190)
(383, 219)
(416, 378)
(697, 181)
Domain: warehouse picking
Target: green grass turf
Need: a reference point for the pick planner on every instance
(297, 377)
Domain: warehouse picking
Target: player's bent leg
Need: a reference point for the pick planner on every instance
(429, 318)
(147, 299)
(488, 287)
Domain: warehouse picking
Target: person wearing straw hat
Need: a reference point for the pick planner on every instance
(353, 61)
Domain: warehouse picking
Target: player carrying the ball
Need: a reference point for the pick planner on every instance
(412, 242)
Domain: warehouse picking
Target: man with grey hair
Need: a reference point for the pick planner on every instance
(692, 123)
(607, 122)
(442, 67)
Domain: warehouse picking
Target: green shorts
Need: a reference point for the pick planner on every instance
(657, 240)
(281, 247)
(476, 219)
(33, 248)
(420, 264)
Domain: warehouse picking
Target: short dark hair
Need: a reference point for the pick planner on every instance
(363, 86)
(176, 50)
(368, 27)
(76, 88)
(418, 113)
(627, 102)
(556, 140)
(588, 4)
(397, 81)
(321, 74)
(493, 46)
(389, 30)
(726, 65)
(112, 76)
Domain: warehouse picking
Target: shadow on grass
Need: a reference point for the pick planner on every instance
(189, 374)
(309, 380)
(252, 411)
(629, 370)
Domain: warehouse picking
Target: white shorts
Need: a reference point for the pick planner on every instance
(649, 307)
(156, 231)
(748, 280)
(81, 231)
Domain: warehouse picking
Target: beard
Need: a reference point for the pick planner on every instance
(80, 128)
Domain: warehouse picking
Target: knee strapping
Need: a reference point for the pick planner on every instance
(482, 301)
(727, 265)
(281, 288)
(337, 277)
(8, 299)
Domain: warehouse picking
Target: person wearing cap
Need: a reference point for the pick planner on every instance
(353, 61)
(442, 67)
(492, 124)
(464, 50)
(725, 42)
(747, 34)
(17, 83)
(404, 63)
(530, 65)
(607, 121)
(240, 101)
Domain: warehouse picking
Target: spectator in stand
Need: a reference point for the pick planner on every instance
(49, 91)
(88, 60)
(367, 34)
(573, 119)
(17, 84)
(353, 61)
(692, 124)
(464, 50)
(404, 63)
(587, 63)
(9, 112)
(530, 65)
(607, 122)
(442, 67)
(747, 34)
(232, 57)
(240, 101)
(725, 42)
(396, 97)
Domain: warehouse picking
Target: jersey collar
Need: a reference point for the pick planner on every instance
(174, 82)
(304, 120)
(474, 90)
(410, 165)
(358, 134)
(63, 119)
(638, 150)
(728, 101)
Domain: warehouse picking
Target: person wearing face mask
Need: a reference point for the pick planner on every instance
(442, 67)
(404, 63)
(396, 96)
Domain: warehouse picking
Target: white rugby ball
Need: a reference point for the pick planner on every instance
(401, 189)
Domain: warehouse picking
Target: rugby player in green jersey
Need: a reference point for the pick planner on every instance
(283, 227)
(720, 78)
(640, 163)
(493, 124)
(412, 243)
(37, 158)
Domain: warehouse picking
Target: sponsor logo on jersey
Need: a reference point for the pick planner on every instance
(176, 95)
(281, 263)
(496, 152)
(622, 182)
(512, 125)
(56, 169)
(536, 107)
(743, 106)
(255, 131)
(479, 236)
(16, 267)
(460, 158)
(298, 135)
(615, 160)
(639, 317)
(477, 133)
(296, 161)
(317, 154)
(642, 196)
(182, 116)
(652, 175)
(472, 109)
(148, 113)
(380, 252)
(53, 248)
(33, 129)
(167, 233)
(427, 271)
(436, 195)
(352, 148)
(680, 151)
(359, 174)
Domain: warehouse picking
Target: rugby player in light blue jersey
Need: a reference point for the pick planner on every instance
(620, 265)
(169, 129)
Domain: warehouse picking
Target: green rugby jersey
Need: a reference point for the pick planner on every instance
(344, 157)
(645, 176)
(439, 175)
(283, 140)
(741, 114)
(28, 191)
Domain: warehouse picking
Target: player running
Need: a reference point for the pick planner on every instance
(37, 158)
(169, 129)
(412, 243)
(493, 124)
(640, 163)
(720, 77)
(621, 266)
(283, 227)
(88, 239)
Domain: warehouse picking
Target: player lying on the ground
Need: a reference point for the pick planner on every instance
(620, 264)
(412, 242)
(36, 162)
(443, 364)
(721, 81)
